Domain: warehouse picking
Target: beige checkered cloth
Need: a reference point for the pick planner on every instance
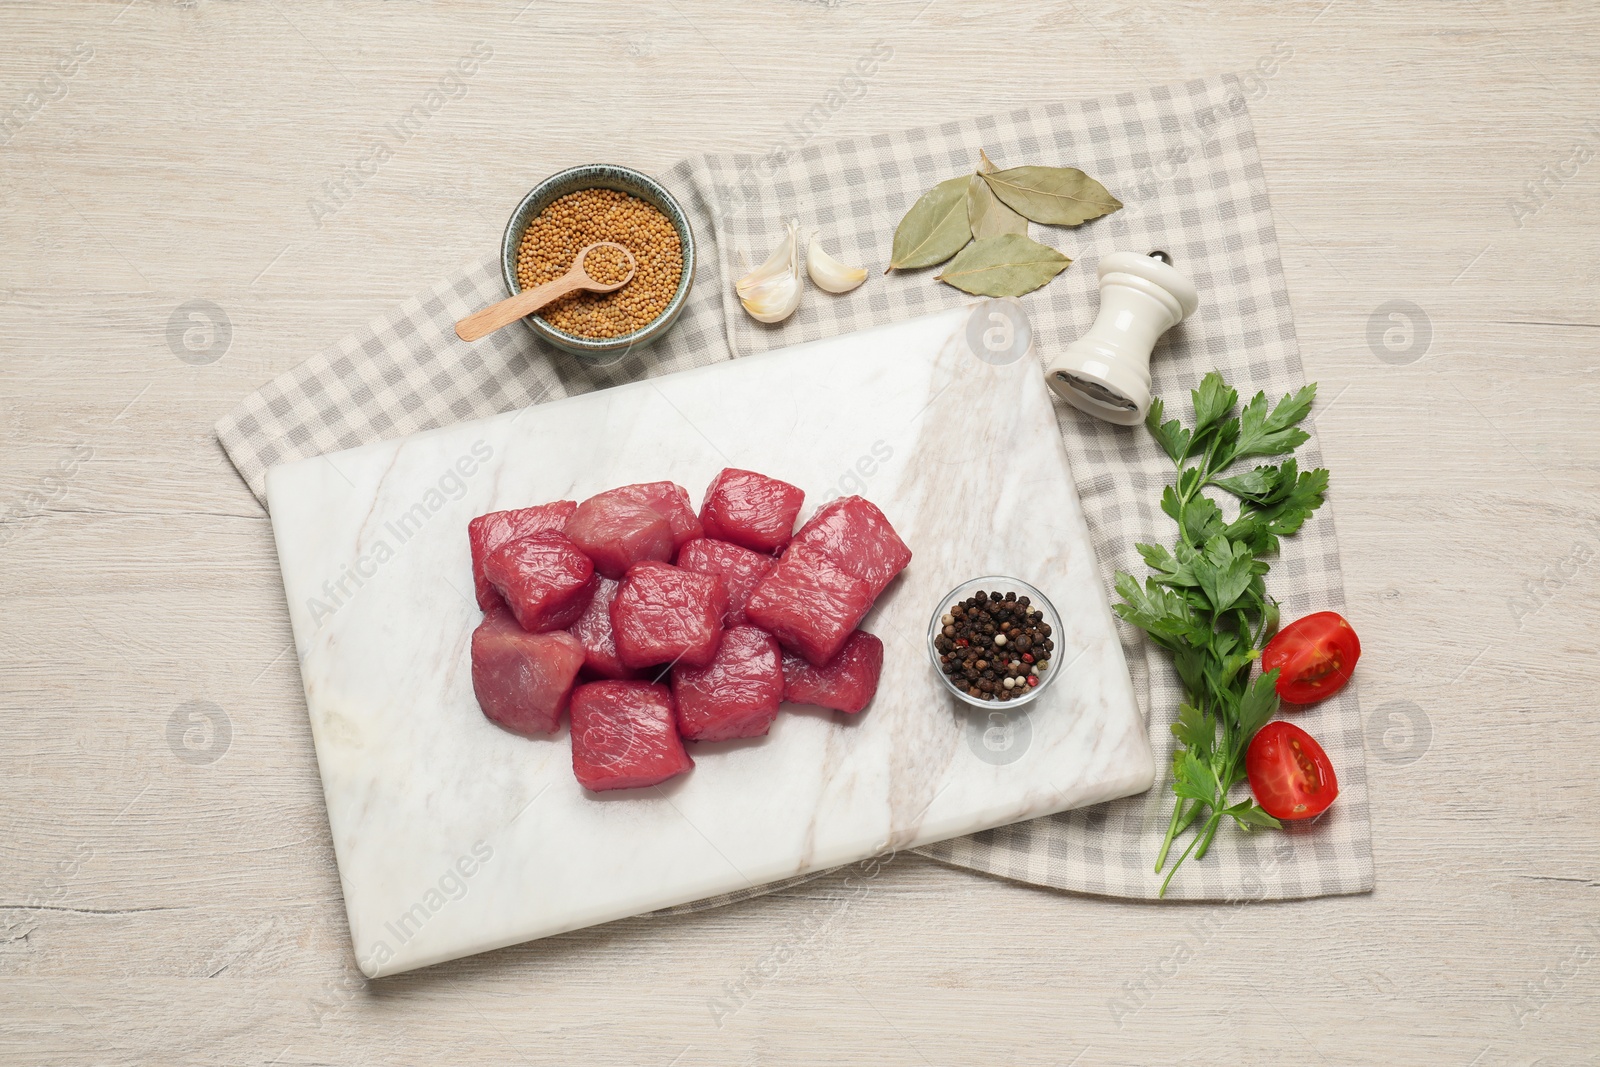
(1183, 159)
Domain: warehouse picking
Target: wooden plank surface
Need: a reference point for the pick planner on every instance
(1432, 161)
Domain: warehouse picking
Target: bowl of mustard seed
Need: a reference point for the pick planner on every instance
(600, 202)
(992, 641)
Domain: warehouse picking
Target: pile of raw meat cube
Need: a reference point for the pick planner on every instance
(655, 625)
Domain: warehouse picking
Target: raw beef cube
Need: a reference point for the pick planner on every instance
(739, 568)
(617, 531)
(751, 509)
(522, 680)
(809, 604)
(624, 735)
(544, 578)
(671, 501)
(666, 614)
(488, 532)
(845, 683)
(593, 632)
(852, 533)
(737, 695)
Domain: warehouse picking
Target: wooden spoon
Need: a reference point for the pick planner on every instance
(483, 323)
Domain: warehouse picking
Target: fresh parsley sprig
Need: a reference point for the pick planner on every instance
(1206, 601)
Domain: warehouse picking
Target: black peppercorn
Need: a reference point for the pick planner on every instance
(993, 638)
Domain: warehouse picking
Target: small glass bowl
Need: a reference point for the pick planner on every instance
(599, 176)
(991, 583)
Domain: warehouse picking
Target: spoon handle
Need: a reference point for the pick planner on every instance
(482, 323)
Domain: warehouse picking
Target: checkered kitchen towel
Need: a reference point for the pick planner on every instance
(1183, 159)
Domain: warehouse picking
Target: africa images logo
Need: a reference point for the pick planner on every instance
(451, 485)
(449, 887)
(339, 189)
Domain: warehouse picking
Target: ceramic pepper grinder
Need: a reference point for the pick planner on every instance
(1106, 372)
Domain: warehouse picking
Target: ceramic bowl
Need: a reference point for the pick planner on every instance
(990, 583)
(599, 176)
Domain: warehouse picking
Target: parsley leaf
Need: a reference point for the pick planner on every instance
(1258, 485)
(1304, 497)
(1196, 729)
(1259, 525)
(1195, 779)
(1158, 558)
(1171, 435)
(1201, 521)
(1191, 665)
(1260, 703)
(1249, 815)
(1171, 571)
(1158, 611)
(1272, 434)
(1224, 571)
(1212, 402)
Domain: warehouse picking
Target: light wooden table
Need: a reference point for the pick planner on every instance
(1437, 161)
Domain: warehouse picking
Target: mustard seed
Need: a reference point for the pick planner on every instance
(606, 265)
(572, 222)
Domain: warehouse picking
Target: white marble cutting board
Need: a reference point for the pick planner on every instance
(454, 837)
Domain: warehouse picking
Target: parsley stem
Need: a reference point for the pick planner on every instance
(1175, 866)
(1178, 804)
(1206, 835)
(1190, 816)
(1184, 813)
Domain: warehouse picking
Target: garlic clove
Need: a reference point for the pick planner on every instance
(828, 272)
(773, 301)
(782, 261)
(771, 292)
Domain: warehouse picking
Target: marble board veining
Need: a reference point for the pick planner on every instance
(455, 837)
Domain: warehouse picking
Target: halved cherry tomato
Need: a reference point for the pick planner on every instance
(1315, 656)
(1289, 773)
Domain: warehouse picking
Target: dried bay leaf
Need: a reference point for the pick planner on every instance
(1007, 265)
(1056, 196)
(986, 215)
(934, 229)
